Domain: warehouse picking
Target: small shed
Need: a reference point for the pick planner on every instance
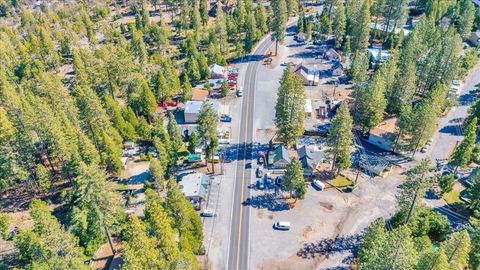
(192, 110)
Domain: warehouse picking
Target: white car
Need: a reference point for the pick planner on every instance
(456, 83)
(208, 213)
(318, 184)
(240, 92)
(282, 225)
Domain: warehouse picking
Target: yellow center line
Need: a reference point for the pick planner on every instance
(243, 184)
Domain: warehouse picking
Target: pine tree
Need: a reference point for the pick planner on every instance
(278, 22)
(111, 155)
(192, 142)
(361, 32)
(221, 29)
(187, 88)
(185, 219)
(176, 140)
(413, 190)
(339, 25)
(158, 225)
(457, 250)
(261, 19)
(371, 103)
(250, 36)
(48, 246)
(293, 180)
(94, 206)
(140, 249)
(207, 127)
(465, 18)
(161, 88)
(463, 153)
(359, 69)
(157, 174)
(204, 12)
(340, 139)
(292, 7)
(289, 109)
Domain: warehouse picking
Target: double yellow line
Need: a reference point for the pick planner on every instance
(243, 179)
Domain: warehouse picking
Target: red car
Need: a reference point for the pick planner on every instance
(232, 76)
(232, 84)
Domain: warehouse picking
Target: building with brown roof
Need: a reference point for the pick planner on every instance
(384, 134)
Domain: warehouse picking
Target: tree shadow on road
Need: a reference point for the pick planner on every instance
(268, 201)
(326, 247)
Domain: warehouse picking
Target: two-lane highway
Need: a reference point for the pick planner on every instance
(239, 235)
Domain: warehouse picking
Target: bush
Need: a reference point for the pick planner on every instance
(4, 223)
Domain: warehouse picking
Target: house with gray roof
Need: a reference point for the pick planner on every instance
(311, 157)
(192, 110)
(194, 186)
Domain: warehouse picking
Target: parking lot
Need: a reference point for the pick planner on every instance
(325, 220)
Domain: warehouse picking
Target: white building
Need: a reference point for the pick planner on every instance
(192, 109)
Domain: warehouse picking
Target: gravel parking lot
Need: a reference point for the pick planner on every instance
(316, 222)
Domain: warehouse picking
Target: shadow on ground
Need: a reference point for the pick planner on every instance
(268, 201)
(327, 247)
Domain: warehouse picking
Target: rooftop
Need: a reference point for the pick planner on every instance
(387, 128)
(199, 94)
(194, 184)
(195, 105)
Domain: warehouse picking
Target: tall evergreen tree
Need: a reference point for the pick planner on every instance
(279, 21)
(340, 139)
(289, 109)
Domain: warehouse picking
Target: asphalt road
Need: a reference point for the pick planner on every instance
(239, 234)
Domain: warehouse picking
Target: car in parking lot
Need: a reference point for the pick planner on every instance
(282, 225)
(260, 183)
(318, 184)
(208, 213)
(226, 118)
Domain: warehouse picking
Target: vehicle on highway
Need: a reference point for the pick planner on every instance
(240, 92)
(226, 118)
(260, 183)
(208, 213)
(318, 184)
(224, 141)
(282, 225)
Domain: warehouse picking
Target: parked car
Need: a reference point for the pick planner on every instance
(318, 184)
(226, 118)
(208, 213)
(282, 225)
(227, 134)
(279, 180)
(259, 172)
(268, 178)
(260, 183)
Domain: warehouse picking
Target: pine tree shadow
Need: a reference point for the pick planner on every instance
(328, 246)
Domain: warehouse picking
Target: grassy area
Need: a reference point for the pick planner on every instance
(452, 197)
(341, 181)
